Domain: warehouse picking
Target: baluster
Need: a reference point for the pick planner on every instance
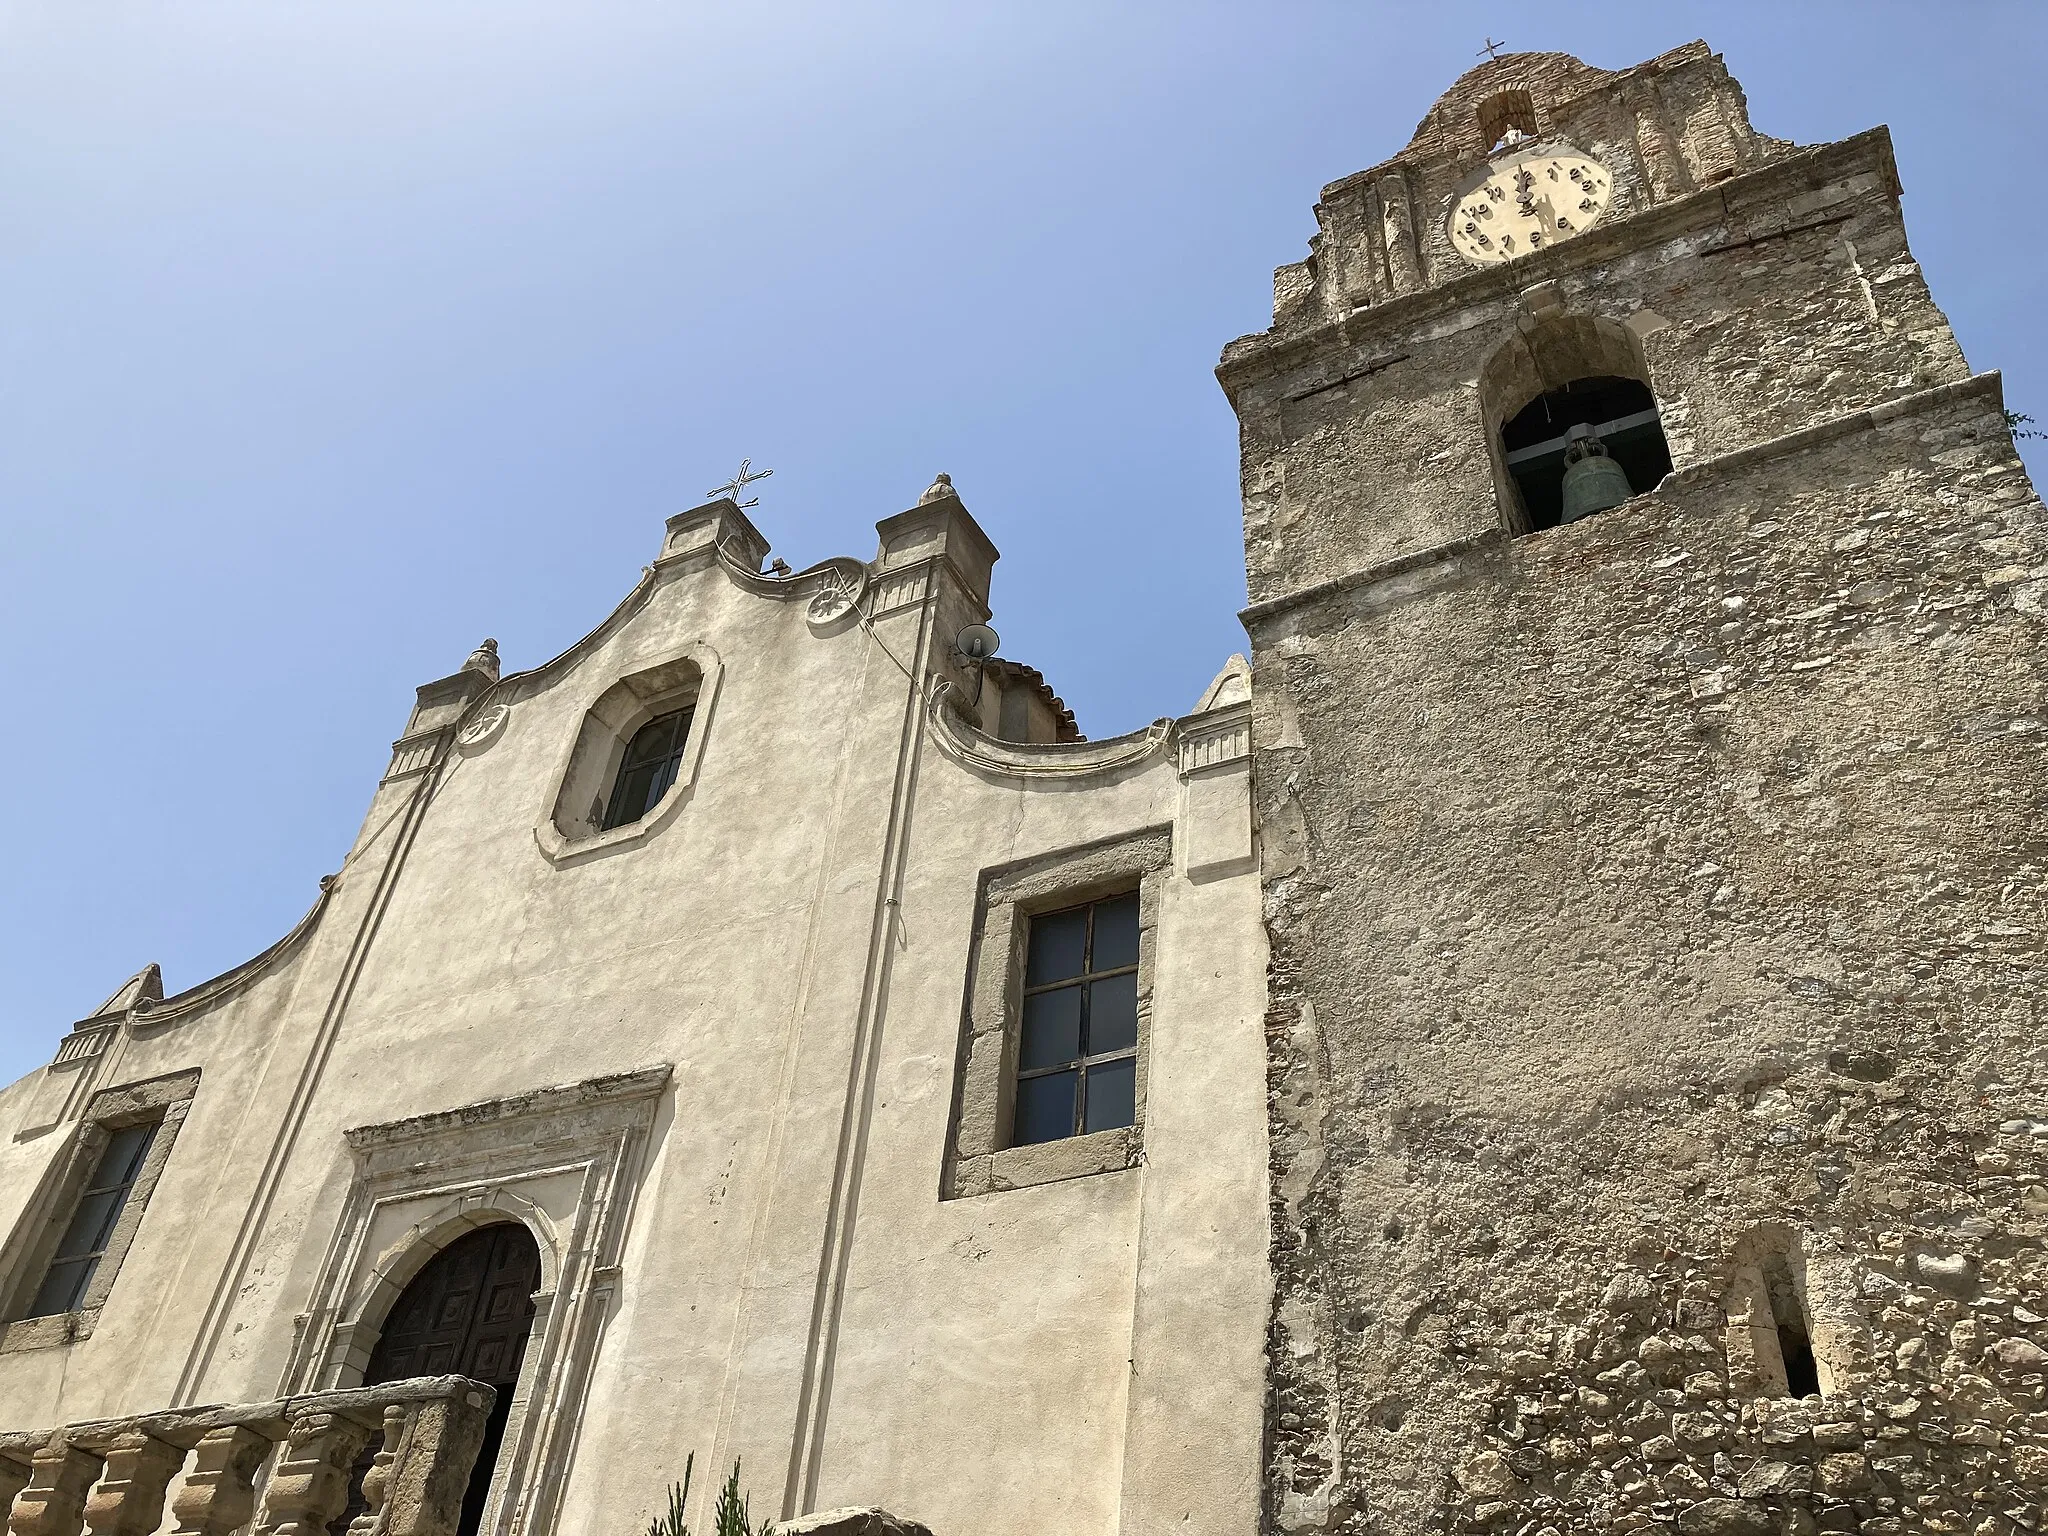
(424, 1484)
(53, 1503)
(309, 1485)
(14, 1476)
(129, 1500)
(219, 1492)
(377, 1481)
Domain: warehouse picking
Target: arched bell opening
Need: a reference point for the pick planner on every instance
(1554, 467)
(468, 1311)
(1559, 380)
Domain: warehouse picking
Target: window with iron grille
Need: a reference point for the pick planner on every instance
(648, 768)
(1077, 1067)
(92, 1223)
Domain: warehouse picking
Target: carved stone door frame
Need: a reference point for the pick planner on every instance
(563, 1161)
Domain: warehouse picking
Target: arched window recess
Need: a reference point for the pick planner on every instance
(1506, 118)
(633, 761)
(1550, 445)
(648, 767)
(1573, 422)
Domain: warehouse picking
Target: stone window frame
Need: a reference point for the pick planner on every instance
(163, 1100)
(979, 1157)
(566, 1162)
(1772, 1262)
(685, 676)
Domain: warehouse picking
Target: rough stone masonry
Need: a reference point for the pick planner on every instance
(1656, 1085)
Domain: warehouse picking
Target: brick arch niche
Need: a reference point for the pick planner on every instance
(1503, 110)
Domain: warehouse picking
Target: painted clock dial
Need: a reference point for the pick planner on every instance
(1527, 200)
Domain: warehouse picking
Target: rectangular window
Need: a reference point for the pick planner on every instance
(1077, 1067)
(1055, 1035)
(92, 1223)
(60, 1264)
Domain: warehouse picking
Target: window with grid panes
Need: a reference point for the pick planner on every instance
(648, 768)
(92, 1222)
(1077, 1050)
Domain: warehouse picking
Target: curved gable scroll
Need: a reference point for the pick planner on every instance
(975, 749)
(571, 825)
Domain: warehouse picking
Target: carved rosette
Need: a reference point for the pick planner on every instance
(832, 598)
(483, 728)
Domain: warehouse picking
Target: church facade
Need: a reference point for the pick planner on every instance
(1551, 1045)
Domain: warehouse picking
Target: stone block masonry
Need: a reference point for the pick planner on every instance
(1656, 1084)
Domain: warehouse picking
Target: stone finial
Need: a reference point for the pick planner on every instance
(940, 487)
(140, 991)
(484, 659)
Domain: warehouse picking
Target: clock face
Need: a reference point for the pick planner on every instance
(1526, 200)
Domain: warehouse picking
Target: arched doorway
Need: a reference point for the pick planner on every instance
(467, 1313)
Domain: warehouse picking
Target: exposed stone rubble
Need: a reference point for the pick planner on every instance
(1542, 1283)
(849, 1522)
(1655, 903)
(1616, 1408)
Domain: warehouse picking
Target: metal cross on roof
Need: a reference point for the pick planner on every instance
(1492, 49)
(736, 487)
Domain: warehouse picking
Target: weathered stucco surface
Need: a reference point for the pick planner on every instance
(748, 1012)
(1653, 892)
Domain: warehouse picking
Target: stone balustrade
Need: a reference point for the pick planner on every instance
(111, 1477)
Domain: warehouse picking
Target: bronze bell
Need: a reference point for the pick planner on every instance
(1592, 481)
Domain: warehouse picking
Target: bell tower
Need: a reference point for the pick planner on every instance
(1646, 607)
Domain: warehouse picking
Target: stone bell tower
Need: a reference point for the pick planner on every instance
(1653, 868)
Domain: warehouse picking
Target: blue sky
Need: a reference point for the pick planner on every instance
(339, 336)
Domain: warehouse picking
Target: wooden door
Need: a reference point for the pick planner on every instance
(468, 1313)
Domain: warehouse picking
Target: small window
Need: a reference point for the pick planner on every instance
(92, 1223)
(1778, 1345)
(1802, 1371)
(648, 768)
(1077, 1067)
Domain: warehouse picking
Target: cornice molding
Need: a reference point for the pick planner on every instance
(1263, 355)
(1452, 552)
(148, 1015)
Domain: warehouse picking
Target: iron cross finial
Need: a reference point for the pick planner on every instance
(736, 487)
(1492, 49)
